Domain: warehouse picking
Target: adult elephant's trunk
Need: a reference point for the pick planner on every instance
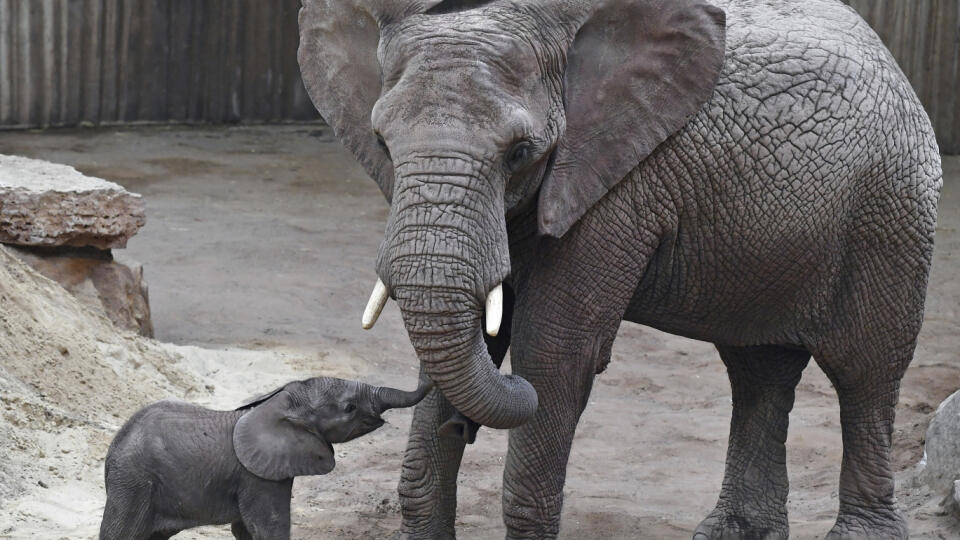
(445, 251)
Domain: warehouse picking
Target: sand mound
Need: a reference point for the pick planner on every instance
(67, 379)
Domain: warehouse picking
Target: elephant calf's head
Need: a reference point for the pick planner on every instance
(291, 431)
(465, 111)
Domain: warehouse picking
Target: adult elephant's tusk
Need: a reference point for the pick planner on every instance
(378, 299)
(494, 309)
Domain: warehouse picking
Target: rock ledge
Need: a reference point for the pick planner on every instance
(47, 204)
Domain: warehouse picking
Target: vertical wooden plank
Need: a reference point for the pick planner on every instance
(128, 73)
(32, 67)
(45, 69)
(196, 99)
(233, 61)
(286, 60)
(6, 61)
(66, 89)
(152, 60)
(254, 62)
(272, 88)
(109, 61)
(21, 58)
(17, 81)
(60, 45)
(215, 53)
(72, 24)
(179, 68)
(91, 55)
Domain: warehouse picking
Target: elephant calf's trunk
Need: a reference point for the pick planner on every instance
(391, 398)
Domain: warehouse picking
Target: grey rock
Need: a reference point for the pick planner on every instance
(47, 204)
(941, 454)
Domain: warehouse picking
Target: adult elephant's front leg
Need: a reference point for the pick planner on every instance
(428, 482)
(560, 356)
(537, 460)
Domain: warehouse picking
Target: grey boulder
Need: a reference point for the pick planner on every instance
(941, 454)
(47, 204)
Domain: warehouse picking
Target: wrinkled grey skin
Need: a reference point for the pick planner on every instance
(174, 465)
(789, 213)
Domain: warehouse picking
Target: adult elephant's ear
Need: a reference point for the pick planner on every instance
(637, 71)
(338, 61)
(271, 443)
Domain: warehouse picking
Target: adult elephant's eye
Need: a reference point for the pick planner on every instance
(349, 408)
(519, 155)
(382, 143)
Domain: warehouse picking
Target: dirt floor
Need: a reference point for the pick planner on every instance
(259, 251)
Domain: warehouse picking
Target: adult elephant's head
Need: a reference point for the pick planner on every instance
(464, 111)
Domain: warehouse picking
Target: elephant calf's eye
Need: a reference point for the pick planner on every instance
(349, 408)
(519, 155)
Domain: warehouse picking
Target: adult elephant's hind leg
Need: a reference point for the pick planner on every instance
(868, 392)
(753, 498)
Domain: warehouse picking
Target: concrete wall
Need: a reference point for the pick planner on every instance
(65, 62)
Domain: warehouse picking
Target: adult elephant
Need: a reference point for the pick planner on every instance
(755, 173)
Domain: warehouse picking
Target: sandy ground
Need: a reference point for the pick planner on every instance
(259, 250)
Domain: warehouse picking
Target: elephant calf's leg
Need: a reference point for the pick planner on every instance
(239, 531)
(265, 510)
(127, 514)
(753, 498)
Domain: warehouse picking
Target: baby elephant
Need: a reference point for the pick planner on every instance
(174, 466)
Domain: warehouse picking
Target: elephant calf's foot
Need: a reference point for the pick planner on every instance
(886, 524)
(726, 525)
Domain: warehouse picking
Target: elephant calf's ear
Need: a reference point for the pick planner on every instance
(257, 400)
(637, 71)
(270, 446)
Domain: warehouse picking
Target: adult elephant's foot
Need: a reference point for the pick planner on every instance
(861, 523)
(529, 519)
(438, 535)
(725, 525)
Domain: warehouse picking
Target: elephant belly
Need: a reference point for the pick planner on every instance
(178, 508)
(730, 298)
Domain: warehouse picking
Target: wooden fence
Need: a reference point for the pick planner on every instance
(67, 62)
